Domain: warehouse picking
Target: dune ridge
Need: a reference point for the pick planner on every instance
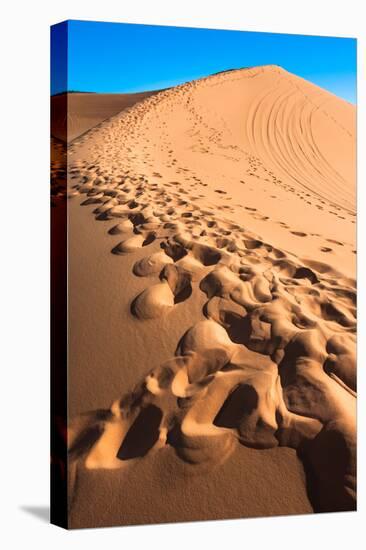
(222, 181)
(87, 110)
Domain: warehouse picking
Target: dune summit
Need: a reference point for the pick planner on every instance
(212, 310)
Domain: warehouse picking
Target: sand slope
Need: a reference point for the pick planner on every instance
(228, 299)
(86, 110)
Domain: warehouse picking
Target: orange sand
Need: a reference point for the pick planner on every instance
(221, 329)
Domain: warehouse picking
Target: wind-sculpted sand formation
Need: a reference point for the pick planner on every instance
(86, 110)
(229, 207)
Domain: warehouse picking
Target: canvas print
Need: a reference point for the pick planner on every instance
(203, 265)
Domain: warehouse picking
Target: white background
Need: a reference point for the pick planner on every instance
(24, 274)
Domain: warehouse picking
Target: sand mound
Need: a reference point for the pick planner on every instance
(87, 110)
(237, 191)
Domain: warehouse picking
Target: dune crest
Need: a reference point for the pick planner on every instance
(238, 188)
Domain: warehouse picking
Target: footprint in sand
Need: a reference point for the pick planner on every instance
(174, 287)
(133, 243)
(339, 243)
(298, 233)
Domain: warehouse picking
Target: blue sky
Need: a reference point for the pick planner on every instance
(121, 57)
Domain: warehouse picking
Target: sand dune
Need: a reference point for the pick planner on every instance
(229, 207)
(86, 110)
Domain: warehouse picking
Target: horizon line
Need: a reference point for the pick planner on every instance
(180, 83)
